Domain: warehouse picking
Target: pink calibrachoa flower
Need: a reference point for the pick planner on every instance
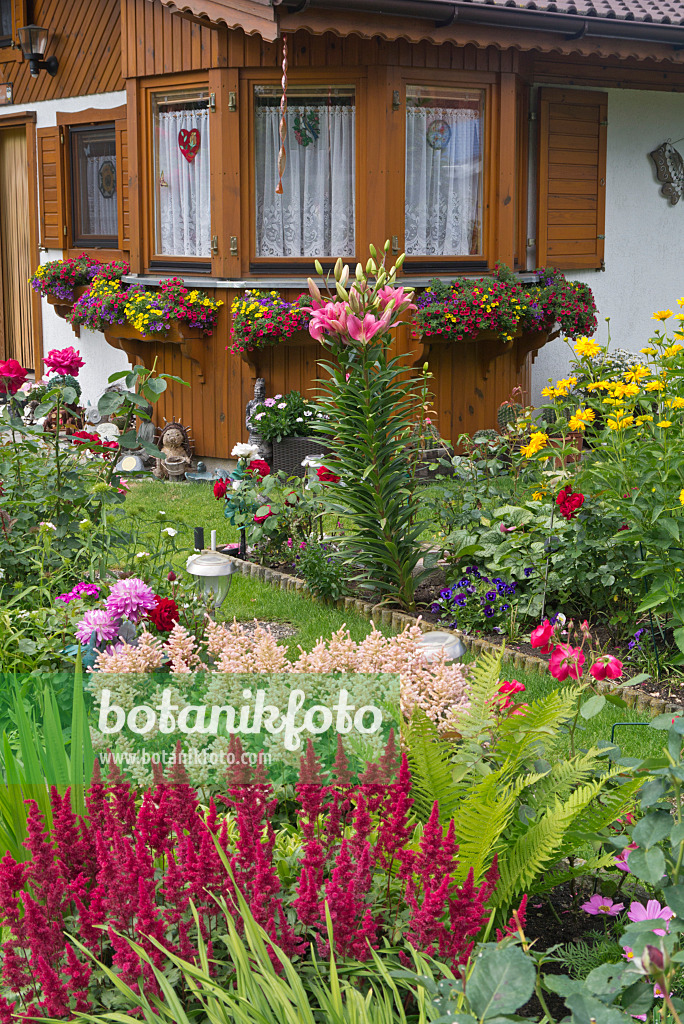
(607, 667)
(598, 904)
(621, 858)
(129, 599)
(651, 912)
(100, 622)
(327, 318)
(366, 329)
(64, 360)
(566, 661)
(541, 637)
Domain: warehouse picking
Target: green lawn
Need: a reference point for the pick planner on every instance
(190, 505)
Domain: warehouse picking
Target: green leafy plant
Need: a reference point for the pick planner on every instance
(510, 794)
(320, 567)
(287, 415)
(372, 406)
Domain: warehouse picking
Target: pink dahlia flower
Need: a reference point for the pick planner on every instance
(130, 599)
(100, 622)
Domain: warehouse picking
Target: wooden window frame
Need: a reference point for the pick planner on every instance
(161, 264)
(94, 116)
(488, 82)
(357, 76)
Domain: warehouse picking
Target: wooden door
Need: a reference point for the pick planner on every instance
(16, 328)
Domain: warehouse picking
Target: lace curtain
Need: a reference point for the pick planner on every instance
(183, 196)
(315, 215)
(442, 184)
(98, 212)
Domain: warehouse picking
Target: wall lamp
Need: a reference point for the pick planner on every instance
(33, 41)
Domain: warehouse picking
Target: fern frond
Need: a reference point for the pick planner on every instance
(541, 724)
(431, 770)
(563, 778)
(602, 812)
(559, 873)
(477, 719)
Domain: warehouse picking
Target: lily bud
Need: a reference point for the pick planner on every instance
(387, 245)
(359, 272)
(338, 269)
(342, 294)
(314, 290)
(373, 251)
(382, 277)
(318, 267)
(369, 266)
(373, 267)
(345, 276)
(400, 260)
(425, 367)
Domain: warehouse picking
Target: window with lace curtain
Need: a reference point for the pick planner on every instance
(94, 222)
(444, 171)
(315, 215)
(181, 169)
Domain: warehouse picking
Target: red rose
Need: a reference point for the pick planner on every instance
(262, 519)
(220, 489)
(607, 667)
(261, 467)
(566, 661)
(569, 503)
(13, 376)
(541, 636)
(164, 614)
(326, 476)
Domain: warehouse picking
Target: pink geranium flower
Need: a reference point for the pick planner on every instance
(651, 912)
(566, 661)
(606, 667)
(598, 904)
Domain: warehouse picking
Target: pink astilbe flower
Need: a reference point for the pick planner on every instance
(146, 656)
(99, 621)
(181, 649)
(130, 599)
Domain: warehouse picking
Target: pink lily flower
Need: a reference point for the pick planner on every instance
(366, 329)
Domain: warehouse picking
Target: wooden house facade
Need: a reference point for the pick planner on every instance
(178, 102)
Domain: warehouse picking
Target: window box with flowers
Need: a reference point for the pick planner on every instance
(63, 282)
(262, 319)
(499, 312)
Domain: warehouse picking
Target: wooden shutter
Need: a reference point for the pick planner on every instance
(572, 179)
(122, 184)
(51, 188)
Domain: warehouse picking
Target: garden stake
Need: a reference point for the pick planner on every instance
(283, 122)
(548, 556)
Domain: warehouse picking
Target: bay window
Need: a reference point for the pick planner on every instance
(181, 173)
(444, 171)
(315, 215)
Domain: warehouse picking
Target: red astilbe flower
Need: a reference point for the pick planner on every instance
(512, 927)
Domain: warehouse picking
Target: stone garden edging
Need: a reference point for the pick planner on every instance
(399, 620)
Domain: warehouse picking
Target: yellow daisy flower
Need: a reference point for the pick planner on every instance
(664, 424)
(587, 347)
(672, 350)
(649, 351)
(536, 443)
(662, 314)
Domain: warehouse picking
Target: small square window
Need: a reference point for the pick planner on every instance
(6, 31)
(444, 171)
(316, 213)
(93, 187)
(182, 183)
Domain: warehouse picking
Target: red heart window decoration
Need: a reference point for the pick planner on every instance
(189, 143)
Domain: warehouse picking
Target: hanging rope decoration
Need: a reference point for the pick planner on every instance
(283, 122)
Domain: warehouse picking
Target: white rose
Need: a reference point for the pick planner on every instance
(169, 531)
(245, 451)
(236, 485)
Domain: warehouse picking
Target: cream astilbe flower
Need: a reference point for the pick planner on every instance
(146, 656)
(181, 648)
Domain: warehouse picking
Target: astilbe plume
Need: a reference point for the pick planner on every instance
(133, 870)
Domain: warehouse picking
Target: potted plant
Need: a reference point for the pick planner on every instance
(288, 422)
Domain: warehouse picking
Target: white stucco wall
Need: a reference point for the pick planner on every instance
(100, 359)
(644, 249)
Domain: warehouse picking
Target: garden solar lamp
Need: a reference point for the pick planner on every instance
(214, 572)
(431, 645)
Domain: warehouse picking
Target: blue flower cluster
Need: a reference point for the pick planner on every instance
(476, 600)
(636, 642)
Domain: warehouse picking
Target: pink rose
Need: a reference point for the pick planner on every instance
(541, 636)
(607, 667)
(566, 661)
(65, 360)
